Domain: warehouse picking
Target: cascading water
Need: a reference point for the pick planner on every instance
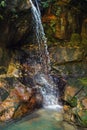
(46, 84)
(40, 37)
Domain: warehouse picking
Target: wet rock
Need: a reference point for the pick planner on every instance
(62, 55)
(61, 85)
(58, 116)
(21, 93)
(19, 101)
(3, 94)
(68, 126)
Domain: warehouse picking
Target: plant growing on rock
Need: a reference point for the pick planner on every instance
(3, 3)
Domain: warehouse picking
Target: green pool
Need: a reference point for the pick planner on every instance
(40, 120)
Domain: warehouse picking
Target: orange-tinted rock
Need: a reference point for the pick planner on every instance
(48, 18)
(63, 2)
(66, 108)
(70, 92)
(22, 95)
(61, 27)
(84, 103)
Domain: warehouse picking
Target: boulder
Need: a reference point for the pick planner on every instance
(61, 54)
(17, 101)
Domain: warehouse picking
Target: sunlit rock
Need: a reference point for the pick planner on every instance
(12, 70)
(84, 103)
(70, 91)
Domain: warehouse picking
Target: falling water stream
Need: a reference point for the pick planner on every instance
(50, 95)
(40, 37)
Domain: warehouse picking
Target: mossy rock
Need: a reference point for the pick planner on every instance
(84, 81)
(82, 118)
(72, 101)
(75, 39)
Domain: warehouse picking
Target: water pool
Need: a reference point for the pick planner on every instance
(43, 119)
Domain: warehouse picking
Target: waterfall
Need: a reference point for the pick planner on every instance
(40, 37)
(47, 86)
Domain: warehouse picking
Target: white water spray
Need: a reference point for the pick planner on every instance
(47, 86)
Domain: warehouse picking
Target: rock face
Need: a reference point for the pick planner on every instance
(68, 61)
(65, 54)
(15, 23)
(65, 24)
(76, 101)
(69, 18)
(16, 99)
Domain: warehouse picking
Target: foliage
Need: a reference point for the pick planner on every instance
(3, 3)
(47, 3)
(52, 25)
(82, 118)
(75, 37)
(50, 31)
(73, 101)
(84, 45)
(1, 17)
(56, 10)
(84, 81)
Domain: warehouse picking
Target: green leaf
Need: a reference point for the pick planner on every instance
(73, 101)
(45, 4)
(83, 119)
(2, 4)
(84, 81)
(1, 17)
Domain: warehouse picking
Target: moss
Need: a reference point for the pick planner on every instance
(82, 119)
(52, 25)
(50, 30)
(75, 38)
(84, 81)
(84, 45)
(73, 101)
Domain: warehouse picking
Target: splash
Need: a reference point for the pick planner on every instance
(49, 91)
